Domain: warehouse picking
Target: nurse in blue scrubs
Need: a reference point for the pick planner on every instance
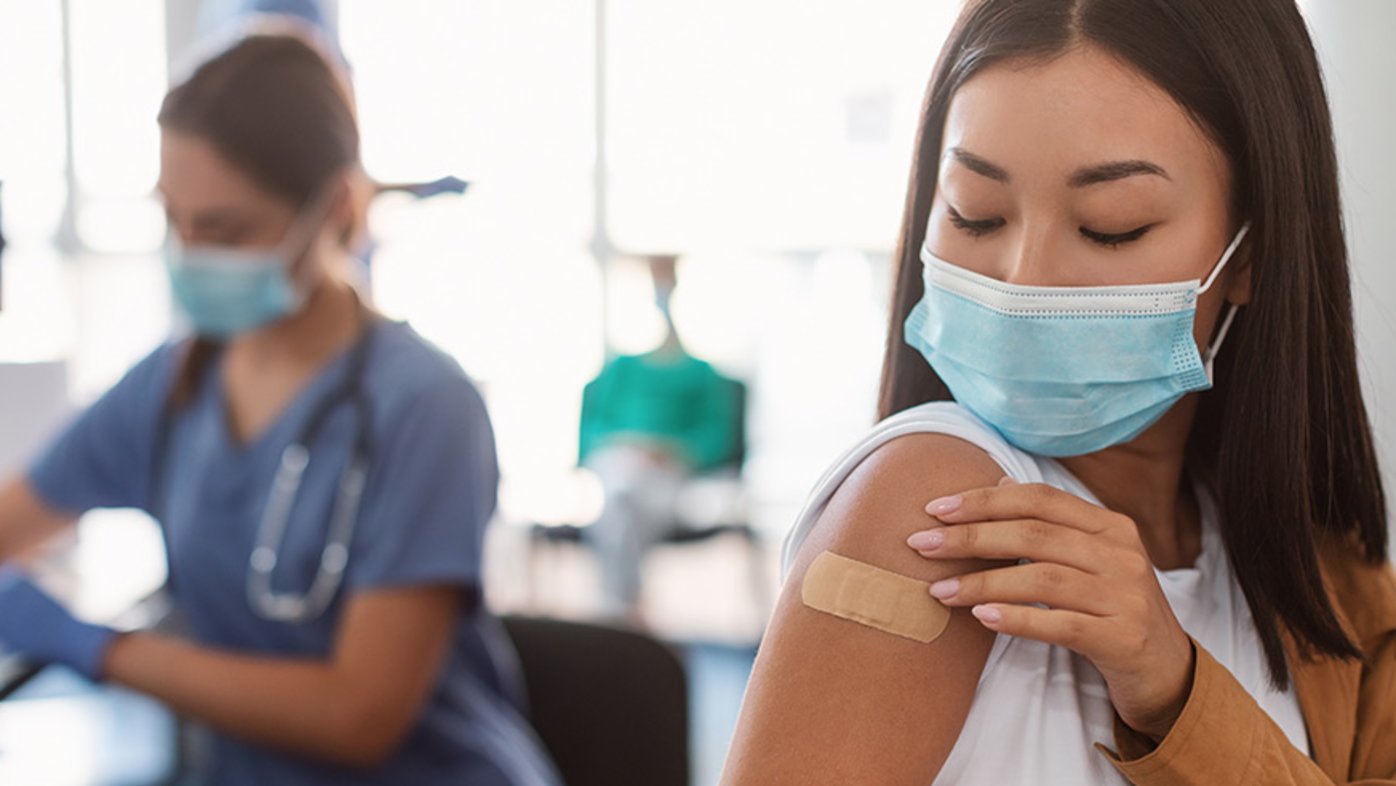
(322, 476)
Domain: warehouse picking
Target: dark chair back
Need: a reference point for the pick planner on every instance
(738, 390)
(610, 705)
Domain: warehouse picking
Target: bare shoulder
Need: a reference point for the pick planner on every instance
(833, 701)
(883, 501)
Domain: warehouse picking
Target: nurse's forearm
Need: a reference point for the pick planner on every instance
(353, 708)
(302, 707)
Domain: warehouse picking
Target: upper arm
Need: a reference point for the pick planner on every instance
(105, 458)
(595, 421)
(589, 425)
(715, 429)
(414, 566)
(833, 701)
(391, 647)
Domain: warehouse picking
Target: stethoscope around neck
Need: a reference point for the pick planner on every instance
(275, 520)
(276, 517)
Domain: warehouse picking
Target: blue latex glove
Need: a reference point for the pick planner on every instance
(35, 627)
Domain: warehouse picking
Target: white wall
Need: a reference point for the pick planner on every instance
(1354, 39)
(33, 404)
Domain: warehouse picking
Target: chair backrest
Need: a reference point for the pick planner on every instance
(610, 705)
(738, 391)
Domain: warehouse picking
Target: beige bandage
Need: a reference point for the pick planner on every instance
(878, 598)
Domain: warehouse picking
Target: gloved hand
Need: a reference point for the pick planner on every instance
(35, 627)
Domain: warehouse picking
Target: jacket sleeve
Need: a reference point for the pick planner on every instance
(1223, 736)
(595, 423)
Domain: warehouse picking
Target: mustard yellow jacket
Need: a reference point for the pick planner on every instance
(1223, 738)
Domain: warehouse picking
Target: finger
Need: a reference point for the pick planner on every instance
(1071, 629)
(1023, 500)
(1055, 585)
(1034, 539)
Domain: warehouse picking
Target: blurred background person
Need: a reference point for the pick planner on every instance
(650, 423)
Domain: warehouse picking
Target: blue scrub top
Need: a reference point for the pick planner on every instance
(430, 491)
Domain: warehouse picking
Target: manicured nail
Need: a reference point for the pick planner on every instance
(987, 614)
(946, 588)
(940, 507)
(1007, 480)
(926, 540)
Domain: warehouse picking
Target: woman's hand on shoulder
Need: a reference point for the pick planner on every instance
(1089, 568)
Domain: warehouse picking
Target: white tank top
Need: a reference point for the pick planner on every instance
(1045, 703)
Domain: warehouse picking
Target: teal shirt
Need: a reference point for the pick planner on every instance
(677, 399)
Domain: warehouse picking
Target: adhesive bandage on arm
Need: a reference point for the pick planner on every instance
(872, 596)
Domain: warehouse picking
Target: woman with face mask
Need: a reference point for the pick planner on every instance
(1122, 520)
(322, 476)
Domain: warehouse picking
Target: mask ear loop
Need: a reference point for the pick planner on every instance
(1211, 353)
(1225, 257)
(307, 222)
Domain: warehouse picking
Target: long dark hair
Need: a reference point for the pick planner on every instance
(274, 106)
(1284, 436)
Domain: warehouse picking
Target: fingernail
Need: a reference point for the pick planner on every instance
(987, 614)
(946, 588)
(1007, 480)
(940, 507)
(927, 540)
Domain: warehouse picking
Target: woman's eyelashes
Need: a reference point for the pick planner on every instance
(980, 227)
(975, 228)
(1115, 240)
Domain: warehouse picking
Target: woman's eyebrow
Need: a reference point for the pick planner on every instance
(977, 165)
(1085, 176)
(1114, 170)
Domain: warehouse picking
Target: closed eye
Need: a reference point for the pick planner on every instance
(1115, 241)
(974, 227)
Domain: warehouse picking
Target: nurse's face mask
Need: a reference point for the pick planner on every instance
(227, 290)
(1064, 371)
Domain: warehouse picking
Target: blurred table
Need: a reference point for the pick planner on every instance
(56, 727)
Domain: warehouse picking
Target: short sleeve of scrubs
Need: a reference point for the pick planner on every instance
(105, 458)
(431, 490)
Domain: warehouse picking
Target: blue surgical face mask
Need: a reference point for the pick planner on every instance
(226, 291)
(1063, 371)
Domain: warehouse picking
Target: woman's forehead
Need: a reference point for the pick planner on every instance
(1041, 120)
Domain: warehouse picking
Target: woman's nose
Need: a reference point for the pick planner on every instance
(1027, 260)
